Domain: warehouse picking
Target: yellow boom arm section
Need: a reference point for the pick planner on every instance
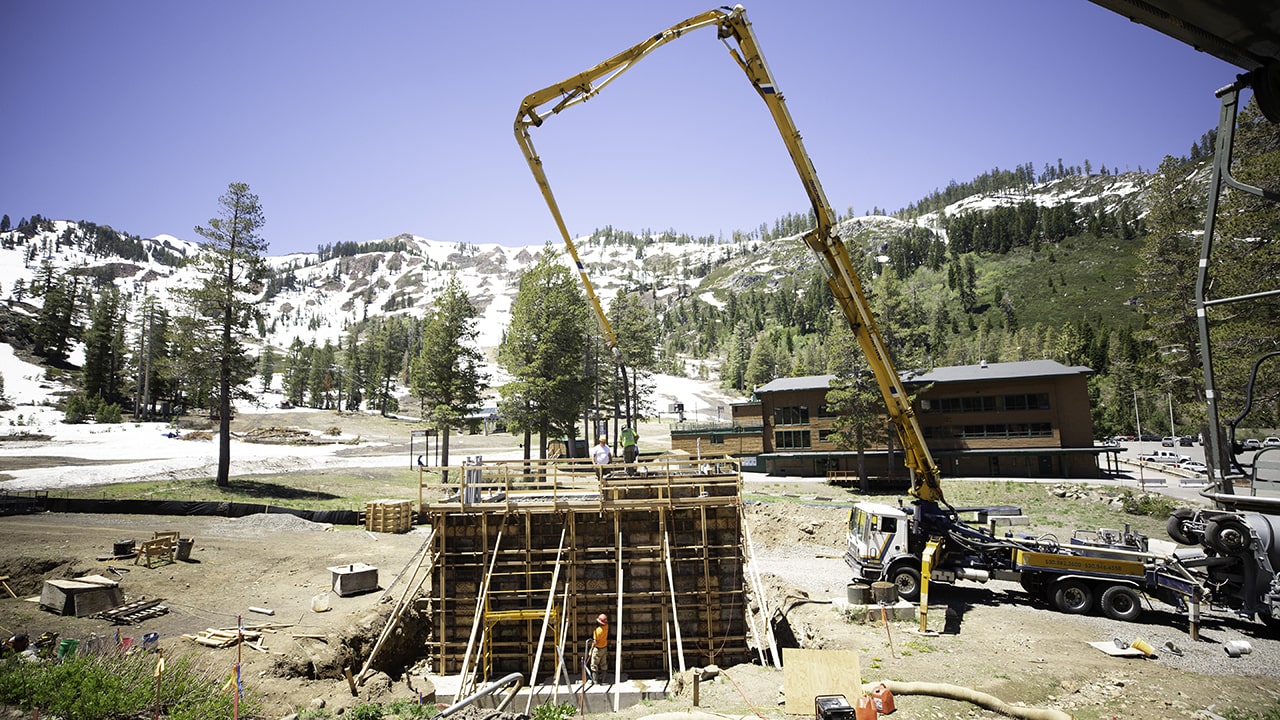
(735, 31)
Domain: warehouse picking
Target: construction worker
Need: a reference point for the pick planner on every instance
(599, 645)
(630, 450)
(601, 454)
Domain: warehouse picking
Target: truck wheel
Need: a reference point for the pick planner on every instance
(907, 579)
(1073, 597)
(1121, 602)
(1228, 536)
(1179, 527)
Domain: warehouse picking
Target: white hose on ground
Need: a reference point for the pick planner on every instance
(969, 695)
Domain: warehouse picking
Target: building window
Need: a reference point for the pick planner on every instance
(825, 435)
(826, 411)
(1002, 430)
(791, 439)
(791, 415)
(987, 403)
(961, 404)
(717, 439)
(1027, 401)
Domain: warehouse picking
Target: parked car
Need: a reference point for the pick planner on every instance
(1252, 444)
(1194, 466)
(1167, 441)
(1167, 457)
(1271, 441)
(1186, 441)
(1148, 437)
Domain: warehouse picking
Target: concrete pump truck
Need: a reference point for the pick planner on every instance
(929, 539)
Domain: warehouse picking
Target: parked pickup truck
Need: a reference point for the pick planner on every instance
(1163, 456)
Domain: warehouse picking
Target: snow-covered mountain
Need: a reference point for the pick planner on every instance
(315, 296)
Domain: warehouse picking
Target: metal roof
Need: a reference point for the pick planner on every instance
(995, 371)
(955, 373)
(804, 382)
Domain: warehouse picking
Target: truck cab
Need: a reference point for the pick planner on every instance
(877, 538)
(885, 544)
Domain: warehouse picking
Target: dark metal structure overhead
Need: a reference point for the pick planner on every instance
(1245, 33)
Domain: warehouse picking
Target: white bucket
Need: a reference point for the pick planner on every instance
(320, 602)
(1236, 648)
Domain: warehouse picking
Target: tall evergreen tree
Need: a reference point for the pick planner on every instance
(103, 356)
(446, 374)
(636, 327)
(855, 399)
(232, 270)
(1246, 261)
(544, 350)
(1167, 276)
(267, 366)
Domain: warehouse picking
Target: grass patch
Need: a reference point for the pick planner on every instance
(338, 490)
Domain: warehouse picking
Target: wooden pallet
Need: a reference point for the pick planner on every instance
(135, 612)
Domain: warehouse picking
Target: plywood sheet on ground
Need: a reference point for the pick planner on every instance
(808, 673)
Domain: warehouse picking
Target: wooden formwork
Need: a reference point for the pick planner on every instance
(658, 551)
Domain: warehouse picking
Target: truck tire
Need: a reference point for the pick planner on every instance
(907, 579)
(1228, 536)
(1072, 596)
(1179, 527)
(1121, 602)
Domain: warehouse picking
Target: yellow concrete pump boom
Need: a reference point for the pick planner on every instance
(735, 31)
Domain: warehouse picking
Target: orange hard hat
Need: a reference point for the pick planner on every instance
(602, 619)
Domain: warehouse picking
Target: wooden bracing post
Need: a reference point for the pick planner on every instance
(414, 583)
(709, 603)
(546, 618)
(675, 613)
(617, 624)
(475, 624)
(760, 596)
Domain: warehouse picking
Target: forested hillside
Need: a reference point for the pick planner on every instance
(1087, 268)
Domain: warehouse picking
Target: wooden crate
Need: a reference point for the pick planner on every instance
(391, 516)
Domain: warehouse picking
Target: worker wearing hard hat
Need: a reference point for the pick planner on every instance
(599, 644)
(601, 454)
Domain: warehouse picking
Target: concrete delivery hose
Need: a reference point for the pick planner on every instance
(969, 695)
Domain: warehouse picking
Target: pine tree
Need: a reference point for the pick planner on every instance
(544, 350)
(1166, 279)
(636, 327)
(446, 373)
(103, 358)
(267, 366)
(855, 399)
(232, 268)
(1247, 260)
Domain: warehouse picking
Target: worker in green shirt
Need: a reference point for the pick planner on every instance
(630, 450)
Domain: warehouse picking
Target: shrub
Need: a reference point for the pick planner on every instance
(368, 711)
(551, 711)
(76, 409)
(91, 687)
(410, 710)
(108, 413)
(1151, 504)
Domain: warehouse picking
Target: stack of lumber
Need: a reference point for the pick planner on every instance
(250, 635)
(388, 516)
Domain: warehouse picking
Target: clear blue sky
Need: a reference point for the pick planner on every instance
(358, 121)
